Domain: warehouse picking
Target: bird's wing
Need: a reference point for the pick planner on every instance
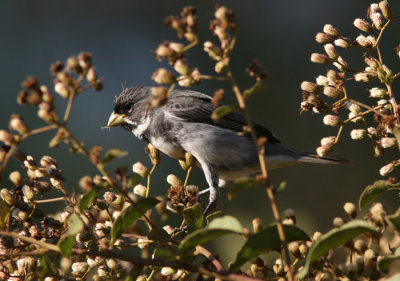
(196, 107)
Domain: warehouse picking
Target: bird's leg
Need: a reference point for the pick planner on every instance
(210, 173)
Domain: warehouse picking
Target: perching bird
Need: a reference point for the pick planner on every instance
(184, 124)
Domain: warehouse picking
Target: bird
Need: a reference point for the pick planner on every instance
(184, 124)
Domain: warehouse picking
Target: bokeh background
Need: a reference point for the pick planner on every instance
(122, 36)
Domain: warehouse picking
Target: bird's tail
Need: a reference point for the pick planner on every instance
(313, 158)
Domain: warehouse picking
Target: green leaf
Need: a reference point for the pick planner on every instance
(215, 215)
(88, 198)
(221, 111)
(75, 224)
(266, 240)
(194, 217)
(396, 133)
(217, 228)
(164, 253)
(394, 220)
(4, 213)
(66, 244)
(257, 88)
(129, 215)
(241, 184)
(333, 239)
(374, 190)
(112, 154)
(384, 262)
(46, 268)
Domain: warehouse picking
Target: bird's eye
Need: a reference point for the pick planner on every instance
(127, 107)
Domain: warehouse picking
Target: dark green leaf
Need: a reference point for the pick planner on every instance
(66, 244)
(112, 154)
(257, 88)
(46, 268)
(222, 111)
(374, 190)
(88, 198)
(241, 184)
(129, 215)
(217, 228)
(75, 224)
(164, 253)
(396, 133)
(266, 240)
(333, 239)
(194, 217)
(394, 220)
(155, 236)
(4, 213)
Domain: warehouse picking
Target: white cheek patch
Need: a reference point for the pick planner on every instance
(139, 128)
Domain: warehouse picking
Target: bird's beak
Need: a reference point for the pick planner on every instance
(116, 119)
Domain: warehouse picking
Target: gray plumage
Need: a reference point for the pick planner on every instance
(184, 124)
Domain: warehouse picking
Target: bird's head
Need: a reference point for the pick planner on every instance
(129, 106)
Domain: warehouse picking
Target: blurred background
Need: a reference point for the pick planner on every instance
(122, 36)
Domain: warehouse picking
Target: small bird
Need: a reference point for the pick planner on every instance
(184, 124)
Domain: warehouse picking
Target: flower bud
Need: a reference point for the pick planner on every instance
(378, 93)
(85, 60)
(331, 52)
(174, 180)
(154, 154)
(221, 65)
(362, 25)
(182, 67)
(91, 75)
(140, 190)
(331, 30)
(371, 62)
(328, 140)
(167, 271)
(28, 192)
(341, 64)
(177, 47)
(16, 178)
(364, 77)
(333, 92)
(385, 9)
(17, 124)
(338, 222)
(355, 118)
(163, 76)
(143, 243)
(363, 41)
(378, 20)
(372, 131)
(322, 80)
(62, 89)
(79, 267)
(323, 150)
(164, 51)
(309, 87)
(360, 246)
(319, 58)
(324, 38)
(7, 196)
(257, 225)
(212, 50)
(47, 161)
(350, 209)
(332, 120)
(358, 134)
(109, 197)
(388, 142)
(343, 43)
(387, 169)
(6, 137)
(140, 169)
